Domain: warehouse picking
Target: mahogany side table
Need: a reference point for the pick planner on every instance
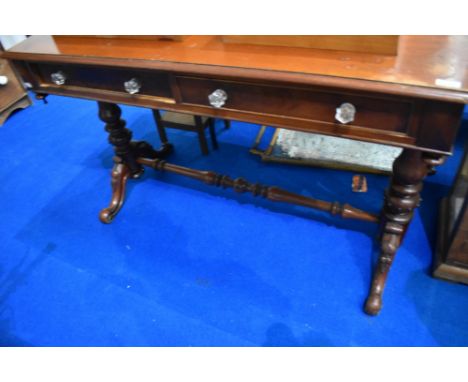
(413, 100)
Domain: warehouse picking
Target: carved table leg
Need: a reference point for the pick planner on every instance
(120, 174)
(401, 198)
(119, 136)
(127, 154)
(125, 160)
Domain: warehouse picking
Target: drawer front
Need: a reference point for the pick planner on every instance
(152, 83)
(314, 105)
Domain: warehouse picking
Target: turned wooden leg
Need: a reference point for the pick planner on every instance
(126, 164)
(120, 175)
(401, 198)
(119, 136)
(127, 154)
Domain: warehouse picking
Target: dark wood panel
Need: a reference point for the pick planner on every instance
(153, 82)
(374, 113)
(451, 255)
(401, 121)
(439, 125)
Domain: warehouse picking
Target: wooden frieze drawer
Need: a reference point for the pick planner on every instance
(144, 82)
(309, 104)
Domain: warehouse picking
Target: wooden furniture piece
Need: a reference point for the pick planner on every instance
(187, 122)
(414, 101)
(365, 44)
(13, 96)
(451, 257)
(137, 37)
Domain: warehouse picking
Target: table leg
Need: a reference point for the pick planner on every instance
(119, 136)
(120, 174)
(125, 161)
(402, 197)
(127, 153)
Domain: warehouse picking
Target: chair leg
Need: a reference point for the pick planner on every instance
(160, 127)
(214, 141)
(200, 129)
(227, 124)
(203, 143)
(162, 134)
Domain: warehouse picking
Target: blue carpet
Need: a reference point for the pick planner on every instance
(185, 264)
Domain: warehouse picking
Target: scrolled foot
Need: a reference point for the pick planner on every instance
(106, 215)
(373, 304)
(120, 175)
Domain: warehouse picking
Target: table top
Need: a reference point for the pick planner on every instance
(433, 65)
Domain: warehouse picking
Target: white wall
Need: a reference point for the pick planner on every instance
(9, 41)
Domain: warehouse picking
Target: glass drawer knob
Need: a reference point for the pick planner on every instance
(58, 78)
(345, 113)
(133, 86)
(218, 98)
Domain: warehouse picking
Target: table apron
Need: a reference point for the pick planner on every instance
(427, 125)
